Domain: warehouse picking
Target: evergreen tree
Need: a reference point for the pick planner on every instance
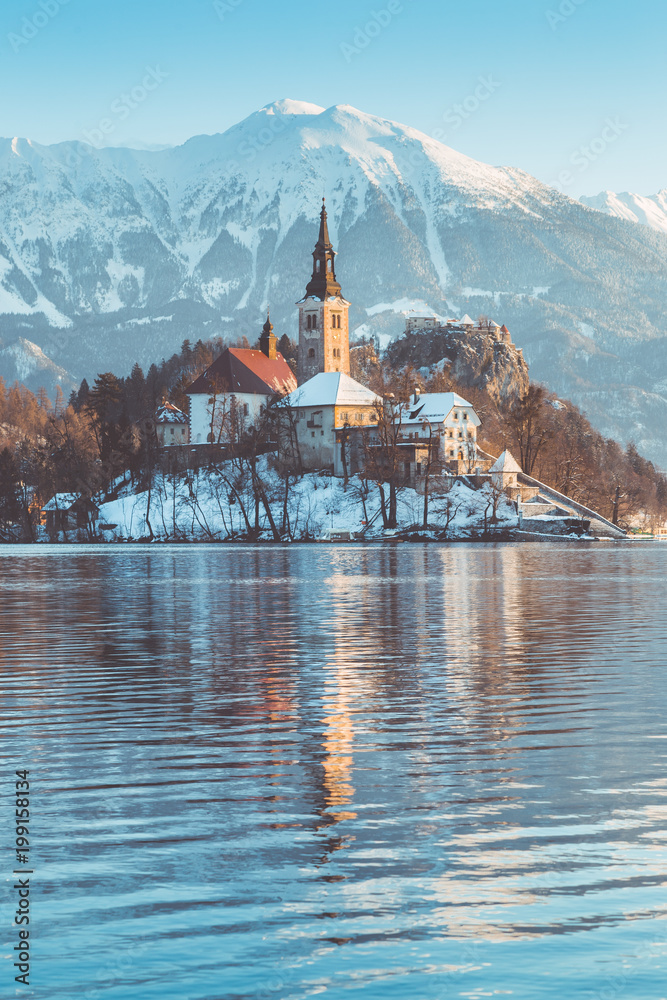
(10, 505)
(81, 397)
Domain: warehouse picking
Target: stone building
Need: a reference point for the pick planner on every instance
(324, 333)
(320, 410)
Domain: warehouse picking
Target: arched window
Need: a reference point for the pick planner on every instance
(317, 266)
(314, 322)
(311, 352)
(328, 265)
(308, 321)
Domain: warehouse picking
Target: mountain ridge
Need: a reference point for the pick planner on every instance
(113, 255)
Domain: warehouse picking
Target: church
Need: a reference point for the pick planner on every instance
(324, 330)
(330, 415)
(333, 416)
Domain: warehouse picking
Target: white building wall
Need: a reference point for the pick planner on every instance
(251, 406)
(316, 435)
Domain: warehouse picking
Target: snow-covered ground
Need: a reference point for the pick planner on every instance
(203, 507)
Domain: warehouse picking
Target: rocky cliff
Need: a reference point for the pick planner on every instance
(483, 357)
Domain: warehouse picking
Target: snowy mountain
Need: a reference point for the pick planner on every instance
(108, 256)
(650, 211)
(25, 362)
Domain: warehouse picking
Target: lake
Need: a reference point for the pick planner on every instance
(410, 771)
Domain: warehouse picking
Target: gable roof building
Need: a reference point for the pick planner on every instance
(436, 407)
(171, 425)
(240, 370)
(242, 381)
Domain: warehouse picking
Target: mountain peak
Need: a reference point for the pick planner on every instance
(289, 107)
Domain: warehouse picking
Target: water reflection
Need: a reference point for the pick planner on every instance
(419, 771)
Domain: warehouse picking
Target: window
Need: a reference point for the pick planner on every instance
(451, 434)
(456, 416)
(311, 352)
(246, 410)
(451, 453)
(209, 437)
(344, 417)
(312, 434)
(465, 416)
(360, 416)
(308, 322)
(314, 322)
(317, 266)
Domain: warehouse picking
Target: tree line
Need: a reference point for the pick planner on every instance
(105, 433)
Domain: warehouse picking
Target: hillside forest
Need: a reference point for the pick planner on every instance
(105, 431)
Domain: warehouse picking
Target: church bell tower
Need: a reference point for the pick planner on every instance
(324, 335)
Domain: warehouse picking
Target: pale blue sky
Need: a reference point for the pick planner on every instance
(556, 72)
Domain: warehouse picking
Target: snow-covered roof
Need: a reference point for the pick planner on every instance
(331, 389)
(170, 414)
(436, 407)
(493, 325)
(61, 501)
(466, 321)
(506, 463)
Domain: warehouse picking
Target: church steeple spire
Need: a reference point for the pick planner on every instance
(268, 339)
(324, 240)
(323, 283)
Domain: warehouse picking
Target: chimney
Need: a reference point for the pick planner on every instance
(417, 394)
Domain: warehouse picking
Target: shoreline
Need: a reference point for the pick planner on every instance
(512, 538)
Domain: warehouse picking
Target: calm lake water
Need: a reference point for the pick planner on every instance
(414, 772)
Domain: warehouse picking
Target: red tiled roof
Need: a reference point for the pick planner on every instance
(504, 329)
(242, 370)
